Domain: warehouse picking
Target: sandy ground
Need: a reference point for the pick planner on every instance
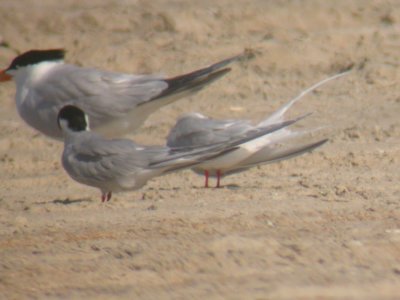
(321, 226)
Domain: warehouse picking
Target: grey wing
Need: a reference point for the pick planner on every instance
(115, 158)
(102, 95)
(96, 161)
(185, 156)
(198, 130)
(113, 101)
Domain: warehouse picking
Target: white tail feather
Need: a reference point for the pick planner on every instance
(278, 115)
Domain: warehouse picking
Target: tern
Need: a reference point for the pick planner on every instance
(117, 165)
(195, 130)
(116, 103)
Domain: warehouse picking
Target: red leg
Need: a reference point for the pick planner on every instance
(206, 176)
(106, 196)
(218, 179)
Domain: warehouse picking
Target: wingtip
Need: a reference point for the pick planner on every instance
(321, 142)
(246, 55)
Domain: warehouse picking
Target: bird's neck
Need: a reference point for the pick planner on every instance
(28, 76)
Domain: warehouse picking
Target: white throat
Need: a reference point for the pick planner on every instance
(26, 77)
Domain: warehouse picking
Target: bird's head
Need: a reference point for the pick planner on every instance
(71, 118)
(30, 58)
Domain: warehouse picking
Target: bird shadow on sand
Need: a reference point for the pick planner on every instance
(231, 187)
(71, 201)
(170, 189)
(198, 187)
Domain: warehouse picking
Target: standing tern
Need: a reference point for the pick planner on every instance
(116, 103)
(195, 129)
(116, 165)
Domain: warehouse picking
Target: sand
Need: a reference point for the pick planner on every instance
(321, 226)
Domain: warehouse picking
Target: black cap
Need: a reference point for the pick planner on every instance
(75, 118)
(36, 56)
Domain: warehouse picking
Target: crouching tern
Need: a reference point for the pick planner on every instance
(116, 165)
(195, 130)
(116, 103)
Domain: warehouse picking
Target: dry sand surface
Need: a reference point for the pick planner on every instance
(322, 226)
